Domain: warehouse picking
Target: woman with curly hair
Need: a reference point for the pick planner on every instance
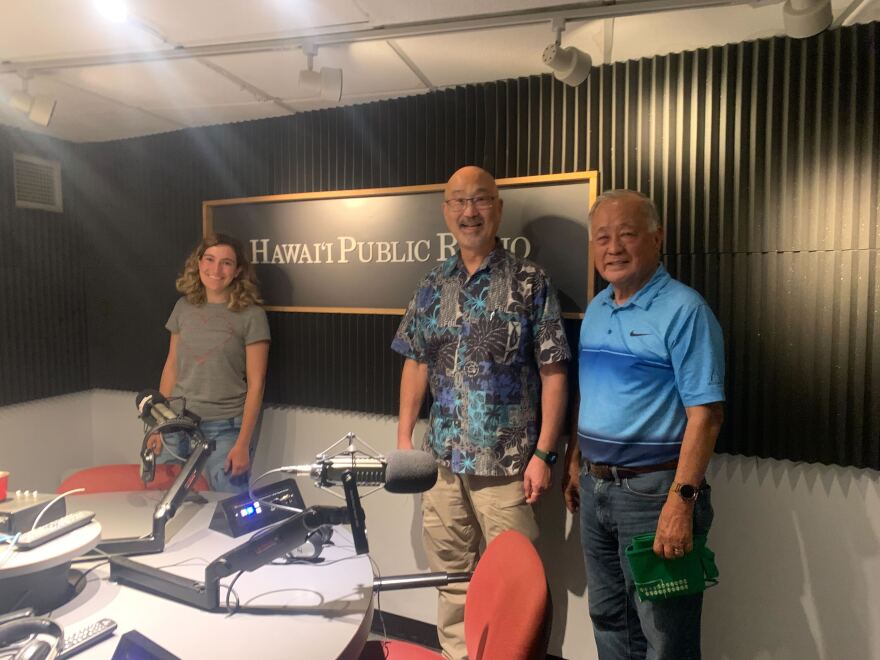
(217, 359)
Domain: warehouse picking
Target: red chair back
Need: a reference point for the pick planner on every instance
(123, 477)
(505, 614)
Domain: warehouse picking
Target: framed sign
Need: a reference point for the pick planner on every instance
(364, 251)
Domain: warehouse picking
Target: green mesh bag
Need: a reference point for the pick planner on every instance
(658, 579)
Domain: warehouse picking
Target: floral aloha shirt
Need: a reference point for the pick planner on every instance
(484, 338)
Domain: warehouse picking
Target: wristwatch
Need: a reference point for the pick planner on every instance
(549, 457)
(685, 491)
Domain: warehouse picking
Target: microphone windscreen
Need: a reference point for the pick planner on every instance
(409, 471)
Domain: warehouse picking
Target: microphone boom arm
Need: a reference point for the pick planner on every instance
(259, 550)
(171, 501)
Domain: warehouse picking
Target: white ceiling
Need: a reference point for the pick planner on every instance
(181, 63)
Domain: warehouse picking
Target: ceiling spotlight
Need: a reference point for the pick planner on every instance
(804, 18)
(570, 65)
(114, 11)
(38, 109)
(326, 83)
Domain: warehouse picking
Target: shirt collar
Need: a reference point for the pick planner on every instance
(644, 296)
(454, 263)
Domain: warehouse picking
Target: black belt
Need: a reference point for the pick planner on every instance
(609, 472)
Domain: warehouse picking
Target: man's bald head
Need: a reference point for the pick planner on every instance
(471, 175)
(472, 210)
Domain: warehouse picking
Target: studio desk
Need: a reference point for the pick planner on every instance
(310, 611)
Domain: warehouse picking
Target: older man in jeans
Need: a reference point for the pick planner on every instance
(651, 372)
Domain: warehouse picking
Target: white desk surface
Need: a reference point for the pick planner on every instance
(325, 609)
(52, 553)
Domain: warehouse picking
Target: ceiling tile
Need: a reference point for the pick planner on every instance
(367, 68)
(154, 85)
(47, 29)
(111, 101)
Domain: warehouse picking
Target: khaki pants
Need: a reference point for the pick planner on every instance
(457, 514)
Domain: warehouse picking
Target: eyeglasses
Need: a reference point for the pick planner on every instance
(481, 202)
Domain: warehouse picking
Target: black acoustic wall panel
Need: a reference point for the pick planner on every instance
(762, 157)
(43, 339)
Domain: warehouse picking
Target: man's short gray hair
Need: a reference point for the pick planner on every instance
(648, 208)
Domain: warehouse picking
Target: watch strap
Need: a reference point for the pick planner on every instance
(549, 457)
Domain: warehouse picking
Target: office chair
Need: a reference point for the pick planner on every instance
(506, 613)
(123, 477)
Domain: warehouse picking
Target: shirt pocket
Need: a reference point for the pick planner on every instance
(514, 336)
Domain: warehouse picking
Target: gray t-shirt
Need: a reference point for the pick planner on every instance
(211, 355)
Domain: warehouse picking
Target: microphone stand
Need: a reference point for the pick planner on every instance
(356, 516)
(174, 496)
(418, 580)
(261, 549)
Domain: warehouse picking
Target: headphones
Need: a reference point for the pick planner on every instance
(314, 545)
(30, 637)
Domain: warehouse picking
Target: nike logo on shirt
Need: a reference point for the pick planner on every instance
(633, 333)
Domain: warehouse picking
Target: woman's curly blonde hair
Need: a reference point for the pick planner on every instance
(244, 290)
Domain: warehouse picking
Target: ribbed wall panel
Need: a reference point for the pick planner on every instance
(762, 158)
(43, 340)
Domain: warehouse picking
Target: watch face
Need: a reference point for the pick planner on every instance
(687, 491)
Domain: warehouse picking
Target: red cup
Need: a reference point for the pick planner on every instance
(4, 484)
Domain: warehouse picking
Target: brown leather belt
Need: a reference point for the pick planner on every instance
(610, 472)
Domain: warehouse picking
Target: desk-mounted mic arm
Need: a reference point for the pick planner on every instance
(418, 580)
(174, 496)
(261, 549)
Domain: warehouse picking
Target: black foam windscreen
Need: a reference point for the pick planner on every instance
(409, 471)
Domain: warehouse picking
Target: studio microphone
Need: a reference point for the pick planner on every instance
(401, 471)
(153, 408)
(156, 411)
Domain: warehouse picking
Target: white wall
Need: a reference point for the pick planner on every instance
(40, 441)
(798, 545)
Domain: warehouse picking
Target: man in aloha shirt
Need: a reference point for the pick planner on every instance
(484, 332)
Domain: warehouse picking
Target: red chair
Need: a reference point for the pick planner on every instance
(506, 614)
(115, 478)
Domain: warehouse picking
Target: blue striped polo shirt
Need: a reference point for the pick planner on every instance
(641, 364)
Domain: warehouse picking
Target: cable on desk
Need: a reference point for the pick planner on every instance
(229, 591)
(194, 561)
(148, 431)
(12, 541)
(46, 508)
(378, 574)
(265, 500)
(87, 571)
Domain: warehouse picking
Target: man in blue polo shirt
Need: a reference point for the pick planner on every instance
(651, 370)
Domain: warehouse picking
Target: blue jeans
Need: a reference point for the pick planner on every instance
(612, 513)
(224, 433)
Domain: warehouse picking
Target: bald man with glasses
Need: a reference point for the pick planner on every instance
(484, 332)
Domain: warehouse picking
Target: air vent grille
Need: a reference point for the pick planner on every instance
(37, 183)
